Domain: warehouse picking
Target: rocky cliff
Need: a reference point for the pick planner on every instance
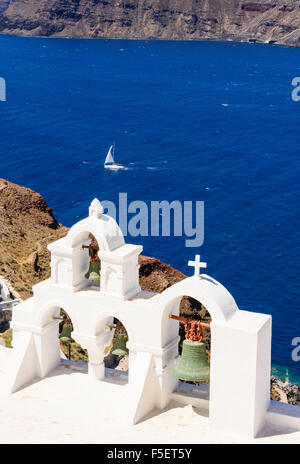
(268, 21)
(27, 226)
(285, 392)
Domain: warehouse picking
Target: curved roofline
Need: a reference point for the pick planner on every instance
(212, 294)
(105, 230)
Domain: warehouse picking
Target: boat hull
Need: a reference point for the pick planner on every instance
(114, 167)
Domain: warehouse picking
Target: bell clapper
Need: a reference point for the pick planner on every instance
(192, 365)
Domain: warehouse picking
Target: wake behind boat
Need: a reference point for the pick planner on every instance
(110, 159)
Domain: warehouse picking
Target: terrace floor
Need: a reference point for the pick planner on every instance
(66, 407)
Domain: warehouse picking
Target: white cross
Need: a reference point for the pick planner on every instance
(197, 265)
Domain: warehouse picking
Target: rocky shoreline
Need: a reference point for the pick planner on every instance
(277, 22)
(285, 392)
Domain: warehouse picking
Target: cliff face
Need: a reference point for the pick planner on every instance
(286, 393)
(27, 226)
(262, 21)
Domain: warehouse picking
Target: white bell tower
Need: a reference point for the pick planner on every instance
(238, 400)
(119, 261)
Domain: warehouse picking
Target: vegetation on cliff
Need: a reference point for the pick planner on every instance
(27, 226)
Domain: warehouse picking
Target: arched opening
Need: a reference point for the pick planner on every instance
(192, 368)
(70, 350)
(90, 266)
(117, 355)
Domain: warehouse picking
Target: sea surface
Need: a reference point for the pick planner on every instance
(199, 121)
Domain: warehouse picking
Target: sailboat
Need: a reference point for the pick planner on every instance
(110, 159)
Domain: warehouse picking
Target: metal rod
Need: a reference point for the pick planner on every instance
(186, 320)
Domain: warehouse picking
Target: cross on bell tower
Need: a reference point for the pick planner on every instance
(197, 265)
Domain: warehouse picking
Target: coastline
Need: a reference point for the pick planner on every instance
(154, 39)
(234, 21)
(279, 372)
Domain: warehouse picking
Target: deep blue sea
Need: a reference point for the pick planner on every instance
(204, 121)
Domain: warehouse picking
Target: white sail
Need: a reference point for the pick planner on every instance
(109, 158)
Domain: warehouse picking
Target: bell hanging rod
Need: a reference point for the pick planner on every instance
(186, 320)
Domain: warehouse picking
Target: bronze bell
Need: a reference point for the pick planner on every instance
(66, 332)
(65, 337)
(93, 273)
(119, 347)
(192, 365)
